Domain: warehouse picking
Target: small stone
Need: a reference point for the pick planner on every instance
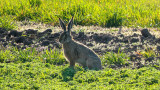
(14, 33)
(47, 31)
(31, 31)
(125, 40)
(135, 35)
(20, 39)
(145, 33)
(45, 43)
(133, 40)
(55, 35)
(158, 48)
(81, 34)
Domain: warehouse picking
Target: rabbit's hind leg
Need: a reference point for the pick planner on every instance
(93, 63)
(89, 63)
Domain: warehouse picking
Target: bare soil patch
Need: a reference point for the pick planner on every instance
(128, 40)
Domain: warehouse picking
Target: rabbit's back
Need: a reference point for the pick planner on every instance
(77, 50)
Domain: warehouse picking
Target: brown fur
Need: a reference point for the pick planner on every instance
(76, 52)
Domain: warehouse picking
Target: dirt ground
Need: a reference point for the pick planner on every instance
(131, 41)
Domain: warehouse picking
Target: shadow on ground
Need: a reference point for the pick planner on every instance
(68, 74)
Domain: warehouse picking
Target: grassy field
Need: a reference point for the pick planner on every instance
(106, 13)
(43, 69)
(44, 76)
(47, 69)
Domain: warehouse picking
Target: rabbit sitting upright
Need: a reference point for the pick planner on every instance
(76, 52)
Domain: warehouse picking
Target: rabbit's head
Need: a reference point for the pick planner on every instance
(66, 35)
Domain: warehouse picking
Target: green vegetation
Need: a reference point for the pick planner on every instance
(118, 59)
(43, 69)
(149, 53)
(12, 54)
(38, 75)
(47, 69)
(7, 23)
(106, 13)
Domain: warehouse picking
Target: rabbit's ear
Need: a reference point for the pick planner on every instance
(62, 24)
(70, 24)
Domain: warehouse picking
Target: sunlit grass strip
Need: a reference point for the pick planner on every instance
(37, 75)
(106, 13)
(12, 54)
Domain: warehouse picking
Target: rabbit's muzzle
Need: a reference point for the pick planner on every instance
(65, 37)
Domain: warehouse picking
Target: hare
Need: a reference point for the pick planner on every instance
(76, 52)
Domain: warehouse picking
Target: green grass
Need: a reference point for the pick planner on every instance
(7, 23)
(12, 54)
(106, 13)
(44, 76)
(47, 69)
(119, 59)
(149, 53)
(35, 68)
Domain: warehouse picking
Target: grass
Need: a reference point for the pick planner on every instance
(119, 59)
(38, 68)
(37, 75)
(149, 53)
(55, 56)
(45, 69)
(12, 54)
(106, 13)
(7, 23)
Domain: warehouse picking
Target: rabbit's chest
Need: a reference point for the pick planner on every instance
(72, 53)
(68, 53)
